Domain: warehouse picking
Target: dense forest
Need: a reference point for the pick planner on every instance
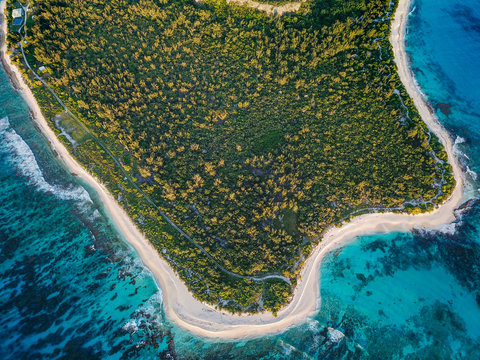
(234, 138)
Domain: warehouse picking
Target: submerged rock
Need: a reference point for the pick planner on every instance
(335, 335)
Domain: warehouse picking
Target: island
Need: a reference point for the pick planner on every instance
(240, 144)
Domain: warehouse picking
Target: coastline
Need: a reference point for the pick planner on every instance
(201, 319)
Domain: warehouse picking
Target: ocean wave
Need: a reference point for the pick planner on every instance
(470, 176)
(287, 348)
(412, 11)
(335, 335)
(24, 161)
(95, 215)
(152, 304)
(130, 326)
(448, 229)
(313, 325)
(148, 313)
(132, 264)
(472, 173)
(419, 89)
(460, 155)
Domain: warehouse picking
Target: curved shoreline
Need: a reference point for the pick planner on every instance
(202, 319)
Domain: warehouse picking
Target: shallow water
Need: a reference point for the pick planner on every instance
(444, 47)
(70, 287)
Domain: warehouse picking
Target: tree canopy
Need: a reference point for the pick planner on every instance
(251, 133)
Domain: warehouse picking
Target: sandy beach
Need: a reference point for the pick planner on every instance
(277, 9)
(201, 319)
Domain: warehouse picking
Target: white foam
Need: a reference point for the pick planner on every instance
(150, 311)
(154, 300)
(25, 162)
(419, 89)
(413, 10)
(456, 149)
(287, 348)
(94, 216)
(448, 229)
(459, 140)
(130, 326)
(472, 173)
(4, 124)
(335, 335)
(133, 264)
(313, 325)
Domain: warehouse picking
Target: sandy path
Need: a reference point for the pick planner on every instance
(270, 9)
(202, 319)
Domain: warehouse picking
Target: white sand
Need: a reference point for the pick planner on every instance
(202, 319)
(270, 9)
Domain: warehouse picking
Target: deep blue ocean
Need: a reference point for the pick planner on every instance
(71, 288)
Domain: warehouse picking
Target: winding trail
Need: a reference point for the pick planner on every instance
(129, 178)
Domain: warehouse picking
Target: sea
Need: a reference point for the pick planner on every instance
(72, 288)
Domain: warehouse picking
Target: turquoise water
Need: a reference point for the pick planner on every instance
(71, 288)
(444, 47)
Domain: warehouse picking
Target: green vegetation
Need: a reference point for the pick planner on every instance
(252, 134)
